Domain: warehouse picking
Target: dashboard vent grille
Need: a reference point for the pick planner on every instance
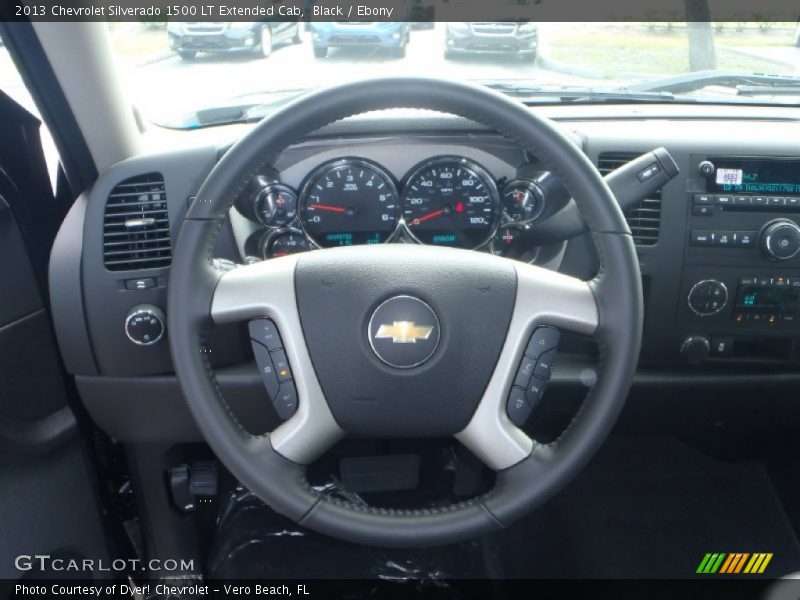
(645, 219)
(136, 225)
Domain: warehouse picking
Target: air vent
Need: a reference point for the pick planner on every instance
(645, 219)
(136, 225)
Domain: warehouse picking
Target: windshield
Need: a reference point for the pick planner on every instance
(192, 74)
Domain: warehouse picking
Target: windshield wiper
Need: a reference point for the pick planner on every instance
(526, 92)
(234, 112)
(746, 84)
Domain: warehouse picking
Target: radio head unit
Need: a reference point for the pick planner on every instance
(760, 176)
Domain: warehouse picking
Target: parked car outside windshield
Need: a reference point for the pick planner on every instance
(264, 64)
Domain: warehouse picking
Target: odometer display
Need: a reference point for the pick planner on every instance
(451, 202)
(349, 202)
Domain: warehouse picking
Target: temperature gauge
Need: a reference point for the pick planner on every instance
(523, 201)
(282, 243)
(275, 205)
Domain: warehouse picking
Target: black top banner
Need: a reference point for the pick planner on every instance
(403, 10)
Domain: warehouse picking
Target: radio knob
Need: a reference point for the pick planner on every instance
(695, 349)
(706, 168)
(145, 325)
(780, 239)
(708, 297)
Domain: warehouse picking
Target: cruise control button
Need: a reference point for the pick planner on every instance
(544, 365)
(281, 365)
(517, 408)
(266, 369)
(286, 402)
(265, 332)
(524, 372)
(535, 391)
(542, 340)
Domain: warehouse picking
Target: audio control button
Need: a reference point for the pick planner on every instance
(780, 240)
(702, 237)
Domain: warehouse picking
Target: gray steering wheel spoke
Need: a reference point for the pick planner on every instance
(544, 298)
(266, 290)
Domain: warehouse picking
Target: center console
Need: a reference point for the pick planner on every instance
(741, 274)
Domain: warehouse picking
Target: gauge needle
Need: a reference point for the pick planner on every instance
(429, 216)
(328, 207)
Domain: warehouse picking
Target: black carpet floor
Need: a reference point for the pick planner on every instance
(651, 507)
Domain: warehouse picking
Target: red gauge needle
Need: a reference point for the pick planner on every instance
(429, 216)
(328, 207)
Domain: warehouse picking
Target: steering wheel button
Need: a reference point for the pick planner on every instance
(545, 364)
(265, 332)
(281, 364)
(535, 391)
(542, 340)
(266, 369)
(524, 372)
(518, 408)
(286, 401)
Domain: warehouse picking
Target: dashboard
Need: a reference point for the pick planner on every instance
(473, 200)
(719, 245)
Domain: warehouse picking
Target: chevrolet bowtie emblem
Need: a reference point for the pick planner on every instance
(403, 332)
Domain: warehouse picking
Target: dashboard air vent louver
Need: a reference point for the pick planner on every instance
(136, 225)
(645, 219)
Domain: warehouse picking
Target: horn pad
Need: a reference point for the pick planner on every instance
(404, 339)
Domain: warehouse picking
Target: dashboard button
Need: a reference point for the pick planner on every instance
(745, 239)
(702, 237)
(281, 364)
(705, 199)
(724, 238)
(285, 402)
(721, 345)
(543, 339)
(724, 200)
(517, 407)
(525, 371)
(742, 200)
(544, 365)
(265, 332)
(267, 370)
(142, 283)
(702, 210)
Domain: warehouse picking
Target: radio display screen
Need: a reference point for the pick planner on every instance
(755, 176)
(765, 297)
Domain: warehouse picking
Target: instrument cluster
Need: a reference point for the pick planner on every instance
(445, 201)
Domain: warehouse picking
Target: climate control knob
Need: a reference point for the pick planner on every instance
(780, 239)
(708, 297)
(145, 325)
(695, 349)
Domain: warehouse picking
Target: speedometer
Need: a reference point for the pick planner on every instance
(451, 201)
(348, 202)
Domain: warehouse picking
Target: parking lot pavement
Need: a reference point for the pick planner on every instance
(170, 87)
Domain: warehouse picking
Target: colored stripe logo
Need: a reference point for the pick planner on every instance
(734, 563)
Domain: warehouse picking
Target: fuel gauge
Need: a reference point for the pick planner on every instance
(523, 201)
(287, 241)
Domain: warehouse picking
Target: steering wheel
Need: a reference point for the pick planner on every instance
(472, 313)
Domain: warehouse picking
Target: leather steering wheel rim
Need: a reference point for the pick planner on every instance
(521, 486)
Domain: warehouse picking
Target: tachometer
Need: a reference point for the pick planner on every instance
(350, 201)
(451, 201)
